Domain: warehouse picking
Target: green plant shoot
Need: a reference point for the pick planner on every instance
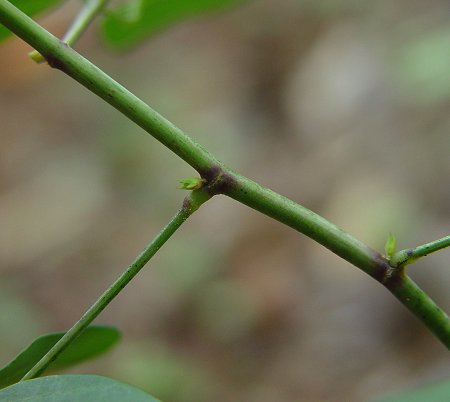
(390, 246)
(191, 183)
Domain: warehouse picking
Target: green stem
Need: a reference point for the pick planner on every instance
(219, 179)
(190, 205)
(335, 239)
(425, 309)
(59, 55)
(87, 14)
(408, 256)
(303, 220)
(80, 24)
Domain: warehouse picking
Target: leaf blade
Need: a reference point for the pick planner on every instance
(126, 25)
(73, 388)
(94, 341)
(30, 8)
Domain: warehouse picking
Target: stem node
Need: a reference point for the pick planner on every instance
(219, 180)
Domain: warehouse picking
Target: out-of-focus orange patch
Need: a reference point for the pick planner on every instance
(17, 70)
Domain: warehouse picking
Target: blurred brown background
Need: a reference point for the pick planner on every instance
(342, 106)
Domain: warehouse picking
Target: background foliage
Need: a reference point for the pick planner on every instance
(341, 105)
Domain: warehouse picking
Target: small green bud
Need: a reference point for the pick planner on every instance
(36, 57)
(192, 183)
(390, 246)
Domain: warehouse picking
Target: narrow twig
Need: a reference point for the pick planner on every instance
(346, 246)
(219, 179)
(90, 10)
(409, 255)
(59, 55)
(191, 203)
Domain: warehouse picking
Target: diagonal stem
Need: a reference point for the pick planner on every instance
(59, 55)
(408, 256)
(81, 22)
(220, 179)
(87, 14)
(343, 244)
(190, 205)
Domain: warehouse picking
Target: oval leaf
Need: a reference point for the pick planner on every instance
(127, 24)
(29, 7)
(73, 388)
(92, 342)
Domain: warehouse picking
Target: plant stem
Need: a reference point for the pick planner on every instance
(87, 14)
(425, 309)
(305, 221)
(191, 203)
(82, 21)
(59, 55)
(408, 256)
(220, 179)
(335, 239)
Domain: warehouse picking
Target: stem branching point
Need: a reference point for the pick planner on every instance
(90, 10)
(221, 180)
(408, 256)
(191, 183)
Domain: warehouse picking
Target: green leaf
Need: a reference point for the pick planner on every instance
(93, 341)
(125, 25)
(73, 388)
(390, 246)
(192, 183)
(29, 7)
(420, 66)
(436, 392)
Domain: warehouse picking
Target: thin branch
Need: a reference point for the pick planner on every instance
(409, 255)
(220, 179)
(335, 239)
(190, 205)
(302, 219)
(80, 24)
(59, 55)
(423, 307)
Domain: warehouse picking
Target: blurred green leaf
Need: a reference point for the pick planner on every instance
(73, 388)
(125, 25)
(433, 393)
(29, 7)
(421, 66)
(92, 342)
